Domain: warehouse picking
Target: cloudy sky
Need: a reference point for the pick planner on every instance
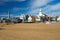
(32, 7)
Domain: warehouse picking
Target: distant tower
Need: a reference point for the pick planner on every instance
(8, 14)
(41, 13)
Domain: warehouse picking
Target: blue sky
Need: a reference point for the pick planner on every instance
(32, 7)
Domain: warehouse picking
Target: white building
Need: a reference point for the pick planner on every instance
(39, 15)
(22, 17)
(58, 19)
(29, 19)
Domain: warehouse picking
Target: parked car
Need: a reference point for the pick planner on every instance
(16, 20)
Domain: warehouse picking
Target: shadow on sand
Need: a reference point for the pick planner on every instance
(2, 28)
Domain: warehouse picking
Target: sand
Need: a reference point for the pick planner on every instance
(30, 31)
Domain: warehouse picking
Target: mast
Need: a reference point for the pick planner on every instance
(8, 14)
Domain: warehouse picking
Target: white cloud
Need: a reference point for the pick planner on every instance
(54, 13)
(55, 7)
(33, 11)
(48, 9)
(35, 4)
(39, 3)
(52, 9)
(18, 9)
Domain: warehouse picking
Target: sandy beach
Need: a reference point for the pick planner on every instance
(30, 31)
